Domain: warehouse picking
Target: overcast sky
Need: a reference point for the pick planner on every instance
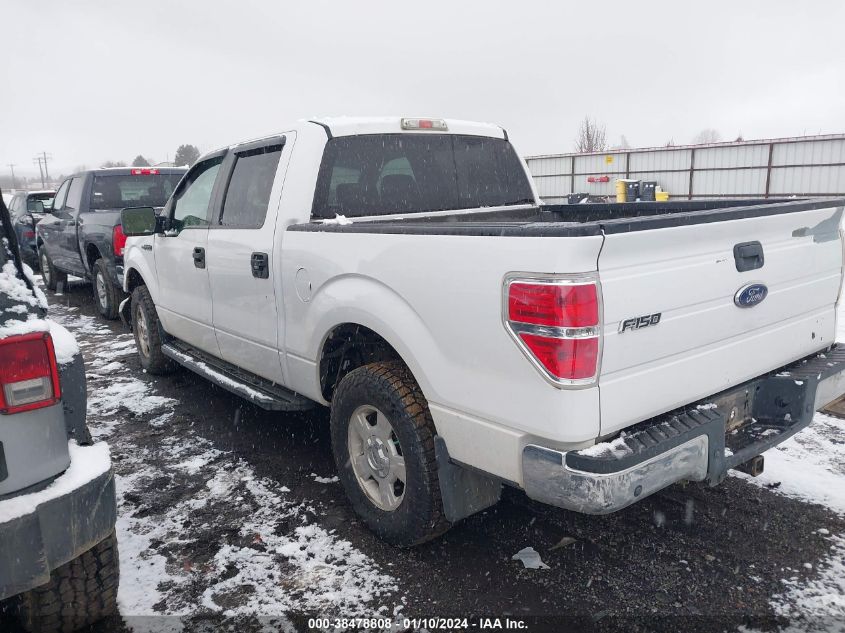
(94, 81)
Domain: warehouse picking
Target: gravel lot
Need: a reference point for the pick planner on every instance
(229, 512)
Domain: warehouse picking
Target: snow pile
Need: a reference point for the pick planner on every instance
(63, 342)
(16, 289)
(618, 448)
(342, 220)
(325, 480)
(86, 463)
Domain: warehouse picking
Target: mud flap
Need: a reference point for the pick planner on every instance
(464, 491)
(125, 312)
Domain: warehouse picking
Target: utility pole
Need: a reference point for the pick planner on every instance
(11, 166)
(46, 173)
(41, 170)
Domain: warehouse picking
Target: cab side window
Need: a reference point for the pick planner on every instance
(248, 193)
(74, 196)
(191, 204)
(61, 194)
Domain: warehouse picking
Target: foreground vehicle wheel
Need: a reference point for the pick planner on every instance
(49, 274)
(148, 333)
(106, 293)
(79, 593)
(383, 443)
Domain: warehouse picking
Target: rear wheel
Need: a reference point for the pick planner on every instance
(149, 334)
(106, 293)
(383, 444)
(78, 594)
(51, 276)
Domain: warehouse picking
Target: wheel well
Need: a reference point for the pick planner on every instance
(134, 278)
(92, 254)
(348, 347)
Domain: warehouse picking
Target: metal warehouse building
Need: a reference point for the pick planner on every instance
(799, 166)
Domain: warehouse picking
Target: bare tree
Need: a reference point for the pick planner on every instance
(113, 163)
(739, 137)
(592, 137)
(707, 135)
(670, 143)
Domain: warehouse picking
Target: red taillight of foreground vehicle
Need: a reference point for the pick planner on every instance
(554, 305)
(118, 240)
(29, 375)
(555, 321)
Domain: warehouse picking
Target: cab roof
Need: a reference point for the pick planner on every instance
(350, 126)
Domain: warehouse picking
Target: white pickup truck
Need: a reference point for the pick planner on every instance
(404, 273)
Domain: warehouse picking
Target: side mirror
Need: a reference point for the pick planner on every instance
(139, 221)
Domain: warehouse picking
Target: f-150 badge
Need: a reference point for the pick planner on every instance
(637, 323)
(750, 295)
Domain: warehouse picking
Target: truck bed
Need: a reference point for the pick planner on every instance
(563, 220)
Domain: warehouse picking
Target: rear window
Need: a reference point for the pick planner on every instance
(46, 199)
(380, 174)
(115, 192)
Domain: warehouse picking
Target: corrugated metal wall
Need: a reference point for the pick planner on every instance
(801, 166)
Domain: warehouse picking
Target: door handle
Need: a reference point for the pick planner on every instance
(748, 256)
(260, 264)
(199, 257)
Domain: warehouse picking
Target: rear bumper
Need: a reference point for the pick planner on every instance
(700, 443)
(54, 526)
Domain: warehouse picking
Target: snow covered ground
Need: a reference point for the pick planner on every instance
(198, 530)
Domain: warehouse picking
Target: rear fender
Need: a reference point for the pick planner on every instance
(367, 302)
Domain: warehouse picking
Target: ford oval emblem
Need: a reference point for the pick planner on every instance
(750, 295)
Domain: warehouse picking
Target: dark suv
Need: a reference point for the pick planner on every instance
(83, 236)
(27, 209)
(58, 551)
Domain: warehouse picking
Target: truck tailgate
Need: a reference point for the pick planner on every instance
(703, 342)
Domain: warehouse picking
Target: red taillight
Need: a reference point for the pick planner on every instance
(118, 240)
(28, 235)
(144, 172)
(29, 375)
(567, 358)
(554, 305)
(556, 323)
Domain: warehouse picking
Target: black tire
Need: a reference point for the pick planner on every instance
(107, 295)
(79, 593)
(150, 354)
(390, 388)
(49, 273)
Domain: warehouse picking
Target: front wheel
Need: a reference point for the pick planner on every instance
(148, 334)
(78, 594)
(106, 293)
(51, 276)
(383, 444)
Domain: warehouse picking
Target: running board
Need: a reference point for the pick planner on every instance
(240, 382)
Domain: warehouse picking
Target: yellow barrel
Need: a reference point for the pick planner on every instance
(621, 195)
(661, 196)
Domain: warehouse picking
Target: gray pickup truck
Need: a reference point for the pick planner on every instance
(83, 236)
(58, 551)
